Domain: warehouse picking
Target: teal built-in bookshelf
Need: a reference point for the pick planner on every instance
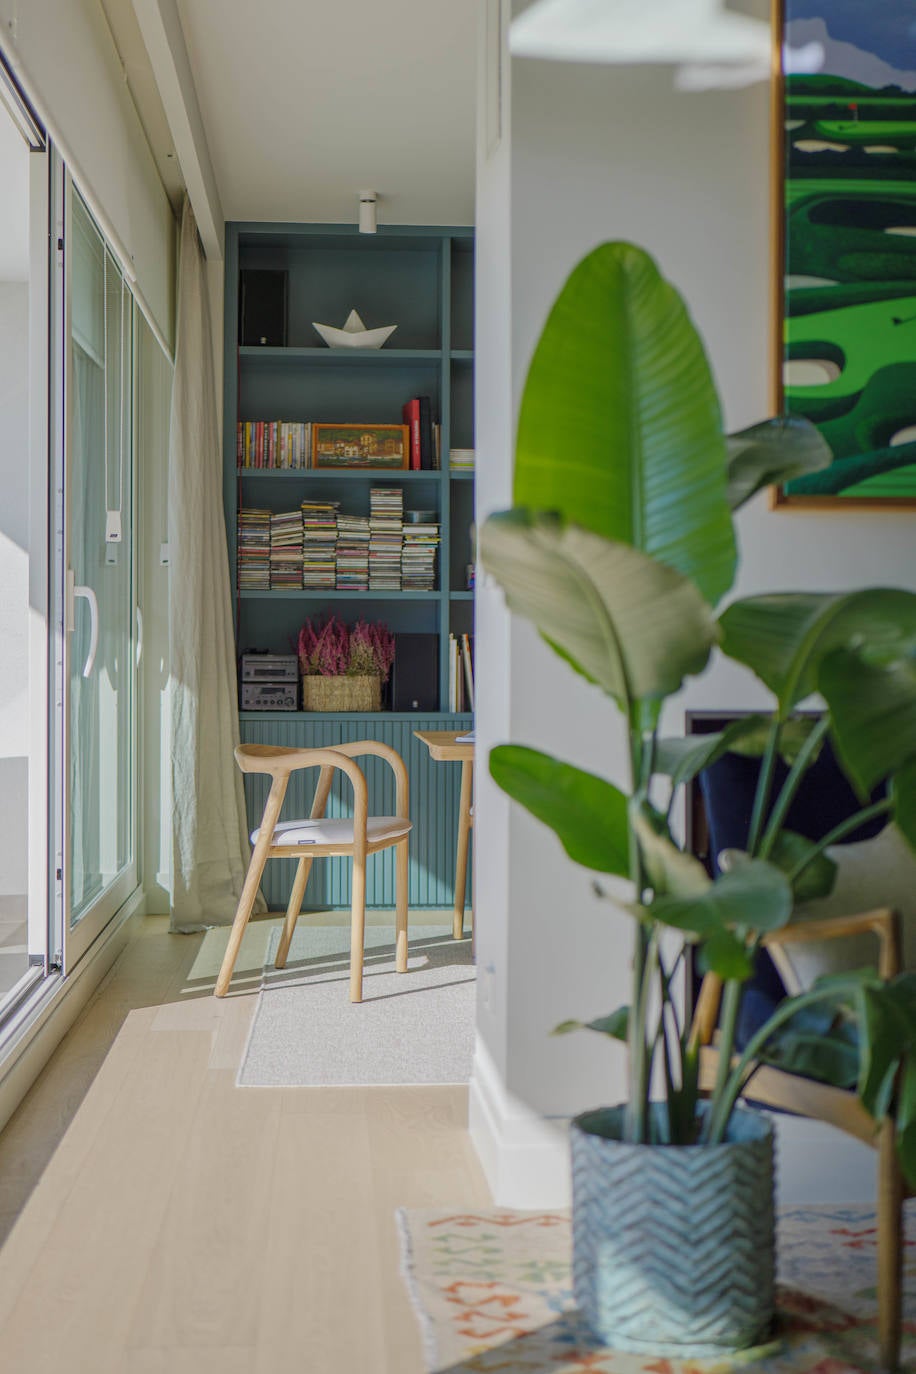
(422, 280)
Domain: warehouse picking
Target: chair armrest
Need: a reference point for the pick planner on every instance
(359, 748)
(883, 922)
(706, 1013)
(280, 762)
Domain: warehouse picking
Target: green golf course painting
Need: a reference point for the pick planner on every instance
(849, 347)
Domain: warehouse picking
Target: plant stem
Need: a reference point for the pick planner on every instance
(638, 1065)
(791, 785)
(735, 1079)
(731, 1002)
(846, 827)
(764, 783)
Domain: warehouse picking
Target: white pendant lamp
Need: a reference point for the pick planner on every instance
(676, 32)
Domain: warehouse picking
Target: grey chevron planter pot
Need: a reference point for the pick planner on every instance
(673, 1246)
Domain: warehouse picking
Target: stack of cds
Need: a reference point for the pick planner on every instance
(418, 557)
(352, 553)
(319, 544)
(254, 550)
(386, 514)
(286, 550)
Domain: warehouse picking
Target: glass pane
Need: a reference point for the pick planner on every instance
(101, 562)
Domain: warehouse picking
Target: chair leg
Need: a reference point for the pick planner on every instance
(357, 927)
(464, 834)
(401, 879)
(292, 911)
(890, 1248)
(243, 912)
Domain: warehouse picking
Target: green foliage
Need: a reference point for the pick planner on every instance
(620, 370)
(773, 452)
(632, 625)
(621, 540)
(588, 814)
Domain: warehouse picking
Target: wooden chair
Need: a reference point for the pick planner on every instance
(770, 1087)
(318, 838)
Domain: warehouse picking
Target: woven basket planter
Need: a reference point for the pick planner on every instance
(673, 1246)
(341, 693)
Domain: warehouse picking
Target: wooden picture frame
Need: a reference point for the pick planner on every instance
(337, 446)
(843, 183)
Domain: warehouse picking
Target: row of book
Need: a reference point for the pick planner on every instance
(321, 548)
(274, 444)
(287, 444)
(461, 459)
(461, 673)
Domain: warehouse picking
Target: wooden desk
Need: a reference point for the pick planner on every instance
(444, 747)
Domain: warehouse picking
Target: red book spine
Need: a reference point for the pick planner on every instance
(410, 414)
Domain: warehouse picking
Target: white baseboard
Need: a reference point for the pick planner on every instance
(34, 1036)
(525, 1156)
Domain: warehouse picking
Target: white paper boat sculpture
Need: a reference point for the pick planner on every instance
(354, 333)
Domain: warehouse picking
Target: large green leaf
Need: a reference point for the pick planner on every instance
(588, 814)
(819, 873)
(753, 897)
(872, 700)
(783, 637)
(773, 452)
(620, 428)
(632, 625)
(668, 868)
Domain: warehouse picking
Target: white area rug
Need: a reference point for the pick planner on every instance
(414, 1027)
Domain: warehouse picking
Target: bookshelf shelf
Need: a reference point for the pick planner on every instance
(411, 718)
(253, 355)
(317, 594)
(375, 476)
(421, 279)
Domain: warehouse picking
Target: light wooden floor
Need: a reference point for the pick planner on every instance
(171, 1223)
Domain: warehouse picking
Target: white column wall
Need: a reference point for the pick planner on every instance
(603, 153)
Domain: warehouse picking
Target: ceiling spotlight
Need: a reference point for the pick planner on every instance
(367, 213)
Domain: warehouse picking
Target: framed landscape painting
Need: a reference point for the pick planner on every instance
(845, 111)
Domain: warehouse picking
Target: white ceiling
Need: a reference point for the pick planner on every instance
(306, 102)
(14, 219)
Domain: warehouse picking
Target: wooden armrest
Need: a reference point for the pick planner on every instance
(883, 922)
(359, 748)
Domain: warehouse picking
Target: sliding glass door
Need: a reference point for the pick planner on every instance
(99, 668)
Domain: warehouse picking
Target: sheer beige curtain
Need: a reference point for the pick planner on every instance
(209, 840)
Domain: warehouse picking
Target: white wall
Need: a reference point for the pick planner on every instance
(14, 582)
(606, 153)
(64, 54)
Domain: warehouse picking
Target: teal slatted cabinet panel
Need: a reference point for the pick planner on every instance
(434, 800)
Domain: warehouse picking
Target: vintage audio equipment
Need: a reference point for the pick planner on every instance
(270, 668)
(270, 696)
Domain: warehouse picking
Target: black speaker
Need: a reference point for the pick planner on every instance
(415, 674)
(263, 307)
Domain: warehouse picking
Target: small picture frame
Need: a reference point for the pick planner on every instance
(360, 446)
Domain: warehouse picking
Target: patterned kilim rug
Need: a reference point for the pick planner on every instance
(492, 1292)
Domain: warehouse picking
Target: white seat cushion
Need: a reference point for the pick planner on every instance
(378, 828)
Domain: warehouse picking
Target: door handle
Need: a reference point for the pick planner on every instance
(88, 595)
(139, 634)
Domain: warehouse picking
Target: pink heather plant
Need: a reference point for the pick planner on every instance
(330, 649)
